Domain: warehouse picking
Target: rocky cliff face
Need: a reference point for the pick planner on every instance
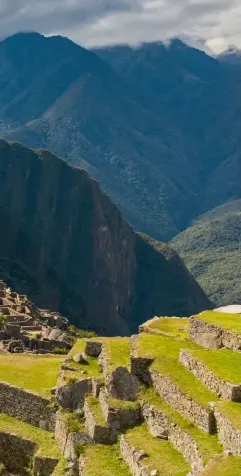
(64, 243)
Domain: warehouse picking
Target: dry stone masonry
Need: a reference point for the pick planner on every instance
(104, 408)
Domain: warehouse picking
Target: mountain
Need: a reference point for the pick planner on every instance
(211, 249)
(231, 56)
(158, 126)
(66, 245)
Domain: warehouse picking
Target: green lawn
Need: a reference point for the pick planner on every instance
(224, 363)
(161, 455)
(104, 460)
(232, 411)
(172, 326)
(165, 351)
(37, 373)
(231, 322)
(209, 445)
(44, 439)
(224, 466)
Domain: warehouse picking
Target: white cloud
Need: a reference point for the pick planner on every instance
(100, 22)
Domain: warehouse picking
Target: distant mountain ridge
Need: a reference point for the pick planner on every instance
(65, 244)
(148, 123)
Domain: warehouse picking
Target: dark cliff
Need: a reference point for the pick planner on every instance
(64, 242)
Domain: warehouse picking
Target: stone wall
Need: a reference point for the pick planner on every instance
(210, 336)
(72, 396)
(119, 418)
(134, 458)
(224, 390)
(44, 466)
(26, 406)
(16, 453)
(68, 441)
(161, 426)
(99, 433)
(229, 436)
(201, 416)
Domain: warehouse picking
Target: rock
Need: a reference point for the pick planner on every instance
(80, 359)
(93, 348)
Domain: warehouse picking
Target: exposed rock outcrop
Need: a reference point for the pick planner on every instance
(67, 246)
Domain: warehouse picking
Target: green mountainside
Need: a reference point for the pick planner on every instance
(147, 122)
(211, 249)
(66, 245)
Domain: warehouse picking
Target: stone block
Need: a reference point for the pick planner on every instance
(93, 348)
(213, 337)
(72, 396)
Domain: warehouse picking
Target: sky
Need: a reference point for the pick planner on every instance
(213, 25)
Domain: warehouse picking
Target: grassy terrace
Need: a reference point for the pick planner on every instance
(118, 352)
(208, 445)
(44, 439)
(96, 410)
(171, 326)
(224, 363)
(37, 373)
(73, 422)
(92, 368)
(104, 460)
(232, 411)
(224, 466)
(165, 351)
(231, 322)
(161, 455)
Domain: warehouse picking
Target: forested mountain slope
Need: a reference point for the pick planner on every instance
(148, 123)
(211, 248)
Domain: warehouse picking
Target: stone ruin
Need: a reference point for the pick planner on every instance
(26, 328)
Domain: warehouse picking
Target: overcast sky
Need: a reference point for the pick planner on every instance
(106, 22)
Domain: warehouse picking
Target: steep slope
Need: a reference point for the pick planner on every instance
(211, 249)
(83, 259)
(67, 99)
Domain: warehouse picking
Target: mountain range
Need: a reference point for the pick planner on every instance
(148, 123)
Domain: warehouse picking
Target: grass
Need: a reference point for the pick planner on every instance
(123, 404)
(72, 422)
(96, 410)
(209, 445)
(161, 455)
(232, 411)
(224, 466)
(44, 439)
(37, 373)
(92, 368)
(165, 351)
(118, 352)
(103, 460)
(224, 363)
(59, 469)
(231, 322)
(171, 326)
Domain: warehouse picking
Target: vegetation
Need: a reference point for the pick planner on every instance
(231, 410)
(224, 466)
(118, 352)
(175, 327)
(224, 363)
(92, 368)
(3, 320)
(44, 439)
(38, 373)
(104, 460)
(165, 351)
(211, 249)
(96, 410)
(161, 455)
(209, 445)
(231, 322)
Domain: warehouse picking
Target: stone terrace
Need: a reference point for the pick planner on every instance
(155, 404)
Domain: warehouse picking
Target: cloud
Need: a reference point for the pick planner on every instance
(106, 22)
